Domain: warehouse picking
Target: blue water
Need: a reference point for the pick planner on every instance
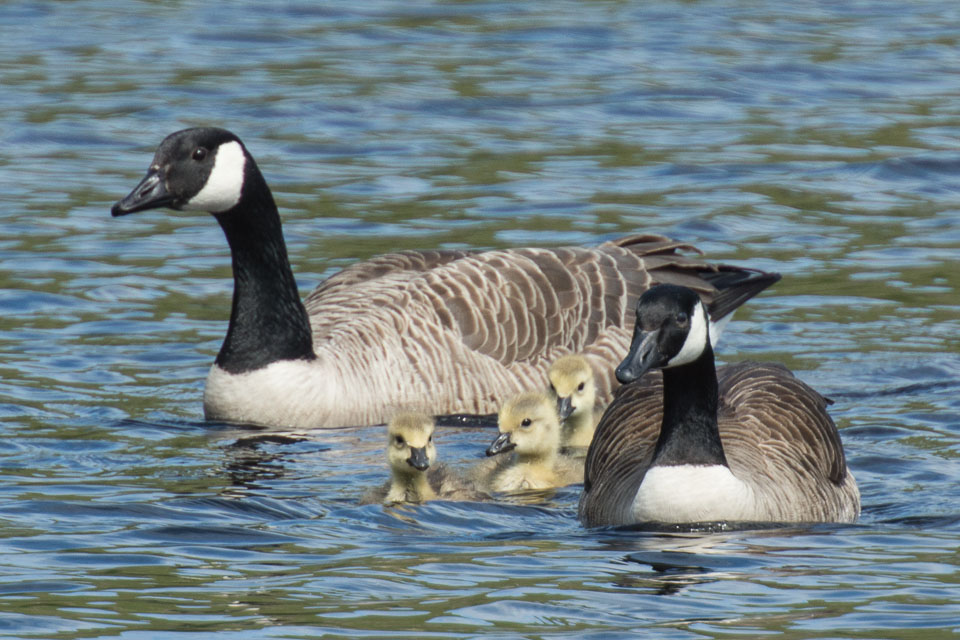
(819, 140)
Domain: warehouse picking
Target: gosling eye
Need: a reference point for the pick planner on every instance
(526, 422)
(399, 441)
(580, 386)
(430, 439)
(199, 154)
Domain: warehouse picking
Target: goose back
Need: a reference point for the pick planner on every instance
(465, 330)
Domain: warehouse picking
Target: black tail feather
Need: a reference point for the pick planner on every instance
(735, 286)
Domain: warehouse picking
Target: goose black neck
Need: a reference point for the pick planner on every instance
(689, 433)
(268, 322)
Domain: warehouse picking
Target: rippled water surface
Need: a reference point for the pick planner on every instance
(818, 139)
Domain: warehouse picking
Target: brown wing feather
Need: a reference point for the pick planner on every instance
(521, 304)
(621, 451)
(409, 263)
(784, 408)
(770, 411)
(786, 444)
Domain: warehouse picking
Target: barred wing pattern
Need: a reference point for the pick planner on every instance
(467, 329)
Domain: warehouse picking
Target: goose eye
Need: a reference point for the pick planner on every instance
(580, 387)
(525, 423)
(682, 317)
(199, 154)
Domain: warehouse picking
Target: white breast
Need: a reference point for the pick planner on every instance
(284, 393)
(693, 493)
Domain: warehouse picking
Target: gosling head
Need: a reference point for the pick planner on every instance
(410, 447)
(528, 424)
(672, 330)
(573, 386)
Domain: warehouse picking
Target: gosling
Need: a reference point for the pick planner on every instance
(572, 385)
(410, 454)
(530, 431)
(415, 475)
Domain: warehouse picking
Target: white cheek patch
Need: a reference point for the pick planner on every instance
(716, 328)
(696, 341)
(222, 189)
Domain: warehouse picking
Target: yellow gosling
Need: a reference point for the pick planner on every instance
(572, 386)
(415, 474)
(530, 433)
(410, 454)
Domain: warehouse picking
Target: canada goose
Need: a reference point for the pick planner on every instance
(754, 445)
(572, 384)
(530, 434)
(461, 329)
(415, 475)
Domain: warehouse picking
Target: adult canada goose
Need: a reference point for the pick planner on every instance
(439, 332)
(530, 435)
(415, 475)
(754, 445)
(572, 384)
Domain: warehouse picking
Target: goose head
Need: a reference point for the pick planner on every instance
(410, 448)
(200, 169)
(529, 425)
(672, 329)
(209, 169)
(572, 383)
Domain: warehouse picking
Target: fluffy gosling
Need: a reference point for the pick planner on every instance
(415, 474)
(411, 455)
(572, 385)
(530, 433)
